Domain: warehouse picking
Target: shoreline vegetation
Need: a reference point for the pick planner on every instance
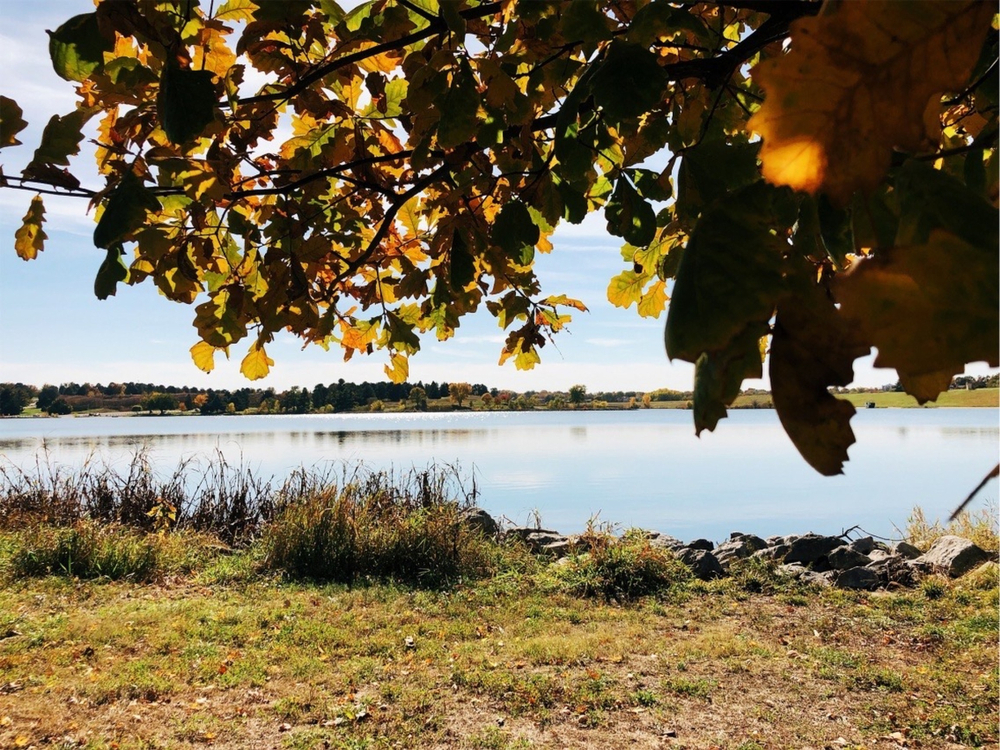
(361, 609)
(17, 399)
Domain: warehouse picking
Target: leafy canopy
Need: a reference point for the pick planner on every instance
(810, 179)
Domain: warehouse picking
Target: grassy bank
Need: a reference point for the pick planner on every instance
(357, 610)
(980, 398)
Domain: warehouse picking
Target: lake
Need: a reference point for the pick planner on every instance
(640, 468)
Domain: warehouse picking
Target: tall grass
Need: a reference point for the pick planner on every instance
(378, 525)
(979, 526)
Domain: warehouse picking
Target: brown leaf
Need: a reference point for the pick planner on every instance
(813, 348)
(857, 83)
(929, 309)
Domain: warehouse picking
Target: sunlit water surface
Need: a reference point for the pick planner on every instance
(639, 468)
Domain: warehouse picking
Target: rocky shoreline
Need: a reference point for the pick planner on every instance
(860, 564)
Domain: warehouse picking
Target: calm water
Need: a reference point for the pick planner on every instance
(640, 468)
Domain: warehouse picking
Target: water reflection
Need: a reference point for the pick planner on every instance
(640, 468)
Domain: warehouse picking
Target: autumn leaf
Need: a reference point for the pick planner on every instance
(653, 301)
(857, 84)
(927, 308)
(11, 122)
(203, 356)
(256, 364)
(29, 240)
(77, 48)
(125, 211)
(398, 369)
(185, 103)
(626, 288)
(719, 374)
(112, 271)
(814, 348)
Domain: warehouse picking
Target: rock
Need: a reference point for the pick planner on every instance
(704, 544)
(907, 550)
(812, 548)
(863, 579)
(986, 576)
(536, 539)
(895, 570)
(878, 554)
(479, 519)
(579, 543)
(703, 563)
(864, 545)
(738, 548)
(775, 552)
(665, 541)
(820, 579)
(954, 555)
(792, 570)
(845, 558)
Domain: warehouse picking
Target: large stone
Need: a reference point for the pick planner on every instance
(665, 541)
(845, 558)
(703, 563)
(954, 555)
(907, 550)
(739, 547)
(537, 539)
(774, 552)
(704, 544)
(863, 579)
(812, 548)
(480, 520)
(864, 545)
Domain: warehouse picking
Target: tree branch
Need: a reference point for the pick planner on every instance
(325, 69)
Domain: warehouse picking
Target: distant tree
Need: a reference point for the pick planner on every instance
(14, 397)
(418, 397)
(487, 399)
(161, 402)
(60, 406)
(215, 403)
(577, 394)
(459, 392)
(47, 396)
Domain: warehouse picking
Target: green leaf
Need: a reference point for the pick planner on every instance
(729, 275)
(628, 82)
(77, 48)
(462, 269)
(185, 103)
(629, 216)
(813, 348)
(932, 199)
(583, 21)
(112, 270)
(11, 122)
(125, 211)
(651, 185)
(61, 139)
(515, 233)
(459, 108)
(711, 170)
(718, 375)
(452, 18)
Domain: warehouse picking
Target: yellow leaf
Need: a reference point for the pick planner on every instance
(203, 355)
(236, 10)
(29, 240)
(626, 288)
(398, 369)
(199, 181)
(409, 214)
(654, 301)
(856, 84)
(256, 364)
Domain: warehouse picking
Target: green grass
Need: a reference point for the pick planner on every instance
(983, 397)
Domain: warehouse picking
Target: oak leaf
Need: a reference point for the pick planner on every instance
(256, 364)
(857, 83)
(29, 240)
(203, 356)
(927, 308)
(11, 122)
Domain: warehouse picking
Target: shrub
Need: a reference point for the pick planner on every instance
(620, 568)
(376, 525)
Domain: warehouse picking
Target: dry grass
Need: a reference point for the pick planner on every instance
(980, 526)
(191, 662)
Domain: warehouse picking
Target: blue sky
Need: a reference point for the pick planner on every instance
(54, 330)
